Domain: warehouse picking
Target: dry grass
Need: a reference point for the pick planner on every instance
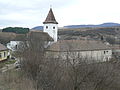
(14, 80)
(7, 35)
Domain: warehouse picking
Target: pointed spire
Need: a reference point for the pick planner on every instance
(50, 18)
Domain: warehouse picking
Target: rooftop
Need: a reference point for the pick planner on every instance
(50, 18)
(78, 45)
(2, 47)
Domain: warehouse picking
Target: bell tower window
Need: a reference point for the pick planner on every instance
(53, 27)
(46, 27)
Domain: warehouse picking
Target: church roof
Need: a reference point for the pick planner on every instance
(50, 18)
(78, 45)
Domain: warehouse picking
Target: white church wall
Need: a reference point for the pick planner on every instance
(99, 55)
(52, 30)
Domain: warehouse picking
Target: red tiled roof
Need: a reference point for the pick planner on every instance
(50, 18)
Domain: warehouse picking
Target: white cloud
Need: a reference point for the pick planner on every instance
(29, 13)
(92, 12)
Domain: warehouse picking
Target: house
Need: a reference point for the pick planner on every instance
(85, 49)
(38, 35)
(4, 52)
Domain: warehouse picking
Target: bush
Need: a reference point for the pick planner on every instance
(17, 30)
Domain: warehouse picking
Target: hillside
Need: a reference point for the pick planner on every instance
(83, 26)
(93, 26)
(37, 28)
(109, 34)
(78, 31)
(6, 37)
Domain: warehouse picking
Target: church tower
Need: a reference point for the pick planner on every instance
(50, 25)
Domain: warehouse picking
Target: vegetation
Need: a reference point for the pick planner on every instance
(14, 80)
(95, 31)
(49, 73)
(109, 34)
(42, 72)
(6, 37)
(6, 62)
(17, 30)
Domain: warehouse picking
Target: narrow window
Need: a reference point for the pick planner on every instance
(46, 27)
(16, 46)
(104, 52)
(53, 27)
(113, 53)
(0, 55)
(4, 54)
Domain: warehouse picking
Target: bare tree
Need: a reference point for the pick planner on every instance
(86, 74)
(58, 73)
(44, 71)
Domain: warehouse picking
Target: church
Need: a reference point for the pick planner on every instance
(89, 49)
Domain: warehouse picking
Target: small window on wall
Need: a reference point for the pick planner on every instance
(4, 54)
(46, 27)
(0, 55)
(16, 46)
(104, 52)
(53, 27)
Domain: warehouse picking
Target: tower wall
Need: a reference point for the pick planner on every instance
(52, 30)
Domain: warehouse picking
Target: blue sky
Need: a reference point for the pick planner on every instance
(30, 13)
